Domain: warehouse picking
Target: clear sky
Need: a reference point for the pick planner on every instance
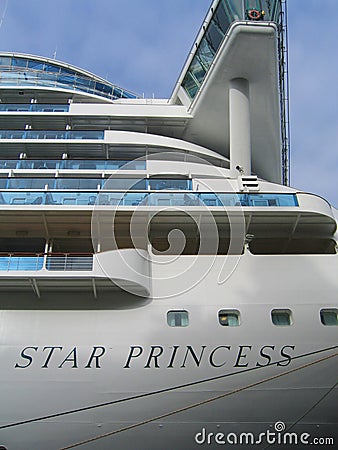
(141, 45)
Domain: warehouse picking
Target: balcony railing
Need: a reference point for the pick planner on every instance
(147, 199)
(33, 107)
(116, 184)
(68, 134)
(75, 164)
(50, 261)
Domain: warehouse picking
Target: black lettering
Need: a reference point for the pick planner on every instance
(285, 355)
(171, 362)
(211, 357)
(25, 356)
(265, 355)
(132, 355)
(240, 356)
(96, 357)
(71, 357)
(155, 356)
(193, 354)
(45, 365)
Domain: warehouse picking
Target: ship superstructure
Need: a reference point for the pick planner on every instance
(149, 245)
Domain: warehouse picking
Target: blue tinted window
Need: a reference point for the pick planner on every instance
(5, 61)
(36, 65)
(19, 62)
(51, 68)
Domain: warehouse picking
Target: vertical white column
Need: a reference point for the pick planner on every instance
(240, 131)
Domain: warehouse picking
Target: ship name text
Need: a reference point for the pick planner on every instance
(154, 356)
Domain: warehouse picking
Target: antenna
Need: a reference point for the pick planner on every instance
(55, 51)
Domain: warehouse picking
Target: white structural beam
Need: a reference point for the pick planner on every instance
(239, 126)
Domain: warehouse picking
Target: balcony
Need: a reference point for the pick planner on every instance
(46, 134)
(68, 164)
(126, 269)
(131, 199)
(33, 107)
(45, 261)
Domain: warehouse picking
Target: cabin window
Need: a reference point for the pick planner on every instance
(178, 318)
(229, 318)
(281, 317)
(329, 317)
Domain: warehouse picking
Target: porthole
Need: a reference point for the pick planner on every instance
(229, 317)
(329, 317)
(178, 318)
(281, 317)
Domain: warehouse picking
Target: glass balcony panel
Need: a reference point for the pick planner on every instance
(135, 199)
(69, 262)
(125, 184)
(7, 164)
(144, 198)
(33, 134)
(11, 263)
(78, 183)
(30, 183)
(158, 184)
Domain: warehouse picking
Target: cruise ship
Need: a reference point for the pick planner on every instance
(161, 284)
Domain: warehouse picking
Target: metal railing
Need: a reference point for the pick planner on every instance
(25, 261)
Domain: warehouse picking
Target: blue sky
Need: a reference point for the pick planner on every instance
(142, 44)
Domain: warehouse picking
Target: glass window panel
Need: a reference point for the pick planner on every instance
(197, 70)
(205, 53)
(214, 36)
(36, 65)
(178, 318)
(65, 79)
(221, 18)
(229, 318)
(3, 183)
(5, 61)
(19, 62)
(85, 82)
(52, 68)
(329, 317)
(281, 317)
(190, 85)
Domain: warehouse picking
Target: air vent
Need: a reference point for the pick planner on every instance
(249, 183)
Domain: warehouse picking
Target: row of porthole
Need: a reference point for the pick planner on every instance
(232, 317)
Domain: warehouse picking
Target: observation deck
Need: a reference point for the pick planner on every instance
(27, 71)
